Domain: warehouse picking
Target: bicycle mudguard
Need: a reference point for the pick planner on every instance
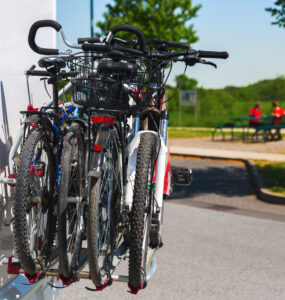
(97, 157)
(160, 169)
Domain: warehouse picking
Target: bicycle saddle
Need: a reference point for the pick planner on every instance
(46, 62)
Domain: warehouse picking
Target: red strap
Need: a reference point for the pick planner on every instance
(107, 282)
(66, 281)
(134, 292)
(33, 279)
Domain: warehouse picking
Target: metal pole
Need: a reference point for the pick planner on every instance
(28, 87)
(91, 18)
(179, 108)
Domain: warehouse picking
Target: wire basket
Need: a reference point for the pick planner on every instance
(99, 92)
(103, 83)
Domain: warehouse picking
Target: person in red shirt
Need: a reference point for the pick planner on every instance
(255, 112)
(277, 114)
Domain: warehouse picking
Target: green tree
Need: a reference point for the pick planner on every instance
(160, 19)
(278, 12)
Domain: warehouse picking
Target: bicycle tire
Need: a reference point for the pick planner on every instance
(71, 185)
(32, 250)
(100, 255)
(140, 216)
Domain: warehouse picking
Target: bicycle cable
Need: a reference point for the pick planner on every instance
(178, 88)
(45, 85)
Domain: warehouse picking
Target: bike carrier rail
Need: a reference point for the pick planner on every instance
(7, 180)
(121, 254)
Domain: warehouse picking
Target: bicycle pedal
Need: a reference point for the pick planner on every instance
(182, 176)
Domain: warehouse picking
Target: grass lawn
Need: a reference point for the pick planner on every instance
(180, 132)
(273, 175)
(192, 132)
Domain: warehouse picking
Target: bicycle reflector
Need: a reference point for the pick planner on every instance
(97, 147)
(103, 120)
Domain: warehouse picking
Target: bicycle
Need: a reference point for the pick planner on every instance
(34, 223)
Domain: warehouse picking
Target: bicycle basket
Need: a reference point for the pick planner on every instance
(108, 84)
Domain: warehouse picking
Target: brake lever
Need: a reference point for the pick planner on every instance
(192, 60)
(202, 61)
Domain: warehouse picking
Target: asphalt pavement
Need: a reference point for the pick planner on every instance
(220, 242)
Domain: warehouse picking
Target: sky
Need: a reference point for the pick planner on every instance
(243, 28)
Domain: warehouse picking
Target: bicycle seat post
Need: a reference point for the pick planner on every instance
(53, 66)
(54, 82)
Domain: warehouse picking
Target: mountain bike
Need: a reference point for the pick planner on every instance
(34, 222)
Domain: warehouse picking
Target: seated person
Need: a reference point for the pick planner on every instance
(255, 112)
(277, 114)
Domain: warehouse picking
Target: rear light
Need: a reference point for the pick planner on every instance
(103, 120)
(97, 147)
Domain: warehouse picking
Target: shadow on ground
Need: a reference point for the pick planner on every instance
(213, 179)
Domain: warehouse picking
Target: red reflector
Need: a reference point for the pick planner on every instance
(97, 147)
(103, 120)
(40, 243)
(14, 176)
(31, 108)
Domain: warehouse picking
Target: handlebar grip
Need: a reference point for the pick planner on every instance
(32, 35)
(213, 54)
(96, 48)
(37, 73)
(63, 74)
(88, 40)
(131, 29)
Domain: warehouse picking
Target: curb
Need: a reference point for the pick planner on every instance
(262, 193)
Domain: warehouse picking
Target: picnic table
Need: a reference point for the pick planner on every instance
(262, 132)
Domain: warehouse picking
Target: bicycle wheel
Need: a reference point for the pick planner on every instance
(141, 213)
(104, 199)
(34, 218)
(70, 206)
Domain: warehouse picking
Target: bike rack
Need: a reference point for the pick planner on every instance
(121, 254)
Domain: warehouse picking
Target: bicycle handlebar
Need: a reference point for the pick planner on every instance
(47, 74)
(213, 54)
(97, 48)
(128, 28)
(32, 35)
(89, 40)
(168, 43)
(37, 73)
